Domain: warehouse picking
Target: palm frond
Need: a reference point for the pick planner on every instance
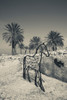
(14, 33)
(55, 39)
(7, 37)
(8, 28)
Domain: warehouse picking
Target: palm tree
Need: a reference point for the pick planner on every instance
(34, 42)
(55, 40)
(21, 46)
(26, 47)
(13, 35)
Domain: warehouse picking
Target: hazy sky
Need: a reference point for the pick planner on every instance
(36, 17)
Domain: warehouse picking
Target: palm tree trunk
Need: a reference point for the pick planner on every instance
(25, 51)
(12, 52)
(53, 48)
(13, 48)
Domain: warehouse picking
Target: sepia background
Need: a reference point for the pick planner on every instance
(36, 17)
(29, 75)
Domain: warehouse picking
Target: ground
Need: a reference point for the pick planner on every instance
(14, 87)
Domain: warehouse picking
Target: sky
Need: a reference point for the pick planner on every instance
(36, 17)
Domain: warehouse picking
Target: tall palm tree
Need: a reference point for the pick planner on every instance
(54, 40)
(34, 42)
(13, 35)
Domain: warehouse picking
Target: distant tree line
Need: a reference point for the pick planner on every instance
(14, 35)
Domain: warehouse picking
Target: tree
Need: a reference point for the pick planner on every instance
(55, 40)
(34, 42)
(13, 35)
(26, 47)
(21, 46)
